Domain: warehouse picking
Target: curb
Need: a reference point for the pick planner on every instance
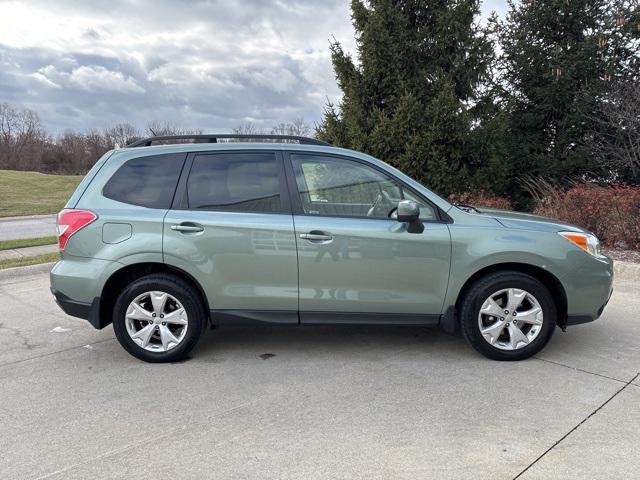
(26, 217)
(17, 272)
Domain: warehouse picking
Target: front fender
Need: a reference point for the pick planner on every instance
(474, 249)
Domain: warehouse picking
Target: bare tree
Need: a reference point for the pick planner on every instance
(156, 128)
(248, 128)
(297, 127)
(121, 135)
(96, 145)
(25, 145)
(21, 137)
(615, 140)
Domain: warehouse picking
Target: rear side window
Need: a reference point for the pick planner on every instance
(242, 182)
(146, 181)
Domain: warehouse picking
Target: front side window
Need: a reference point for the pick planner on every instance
(333, 186)
(337, 187)
(146, 181)
(243, 182)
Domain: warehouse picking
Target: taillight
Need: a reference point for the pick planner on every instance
(70, 222)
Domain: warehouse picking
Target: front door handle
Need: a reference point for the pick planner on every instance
(315, 236)
(188, 228)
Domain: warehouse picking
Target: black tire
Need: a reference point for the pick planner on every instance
(184, 293)
(486, 286)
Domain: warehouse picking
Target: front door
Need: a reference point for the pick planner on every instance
(354, 257)
(232, 230)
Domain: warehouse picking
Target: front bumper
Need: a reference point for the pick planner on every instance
(578, 319)
(589, 289)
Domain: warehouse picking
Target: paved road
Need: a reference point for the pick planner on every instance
(27, 227)
(357, 403)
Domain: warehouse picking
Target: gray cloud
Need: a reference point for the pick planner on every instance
(206, 64)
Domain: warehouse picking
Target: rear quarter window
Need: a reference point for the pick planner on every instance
(146, 181)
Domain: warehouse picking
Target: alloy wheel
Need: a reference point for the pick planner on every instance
(156, 321)
(510, 319)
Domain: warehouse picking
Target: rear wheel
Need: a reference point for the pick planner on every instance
(159, 318)
(508, 316)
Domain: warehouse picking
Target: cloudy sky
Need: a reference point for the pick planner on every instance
(201, 64)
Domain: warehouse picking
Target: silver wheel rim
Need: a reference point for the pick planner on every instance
(156, 321)
(510, 319)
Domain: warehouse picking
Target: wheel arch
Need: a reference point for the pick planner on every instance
(125, 275)
(556, 289)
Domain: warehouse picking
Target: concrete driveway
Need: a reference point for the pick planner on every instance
(13, 228)
(332, 402)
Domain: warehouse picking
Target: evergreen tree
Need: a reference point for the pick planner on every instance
(414, 98)
(558, 59)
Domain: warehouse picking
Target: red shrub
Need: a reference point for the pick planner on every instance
(481, 200)
(611, 213)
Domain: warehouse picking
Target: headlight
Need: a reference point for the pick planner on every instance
(587, 242)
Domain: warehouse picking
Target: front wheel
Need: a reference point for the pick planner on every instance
(159, 318)
(508, 316)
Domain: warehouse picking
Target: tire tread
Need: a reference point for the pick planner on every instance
(197, 319)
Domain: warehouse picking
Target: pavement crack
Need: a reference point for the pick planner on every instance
(26, 342)
(581, 370)
(48, 354)
(186, 427)
(630, 382)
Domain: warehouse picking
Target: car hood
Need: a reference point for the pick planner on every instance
(528, 221)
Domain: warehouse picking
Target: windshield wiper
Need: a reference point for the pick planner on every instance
(466, 208)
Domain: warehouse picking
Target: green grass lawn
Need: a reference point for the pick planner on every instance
(27, 242)
(32, 193)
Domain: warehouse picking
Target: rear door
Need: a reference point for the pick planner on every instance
(231, 228)
(354, 257)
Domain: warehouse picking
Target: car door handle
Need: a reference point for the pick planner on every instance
(316, 237)
(189, 228)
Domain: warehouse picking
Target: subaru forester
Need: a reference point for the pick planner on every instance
(165, 240)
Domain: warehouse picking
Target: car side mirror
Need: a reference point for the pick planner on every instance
(409, 212)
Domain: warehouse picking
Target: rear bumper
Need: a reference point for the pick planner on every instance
(84, 310)
(77, 283)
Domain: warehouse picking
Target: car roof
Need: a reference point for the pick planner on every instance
(206, 147)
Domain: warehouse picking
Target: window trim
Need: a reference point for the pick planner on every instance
(181, 197)
(129, 160)
(296, 202)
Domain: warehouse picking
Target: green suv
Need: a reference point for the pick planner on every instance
(164, 240)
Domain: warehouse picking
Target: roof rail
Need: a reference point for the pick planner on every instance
(214, 137)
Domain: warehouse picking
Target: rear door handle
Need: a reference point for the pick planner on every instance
(315, 236)
(187, 228)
